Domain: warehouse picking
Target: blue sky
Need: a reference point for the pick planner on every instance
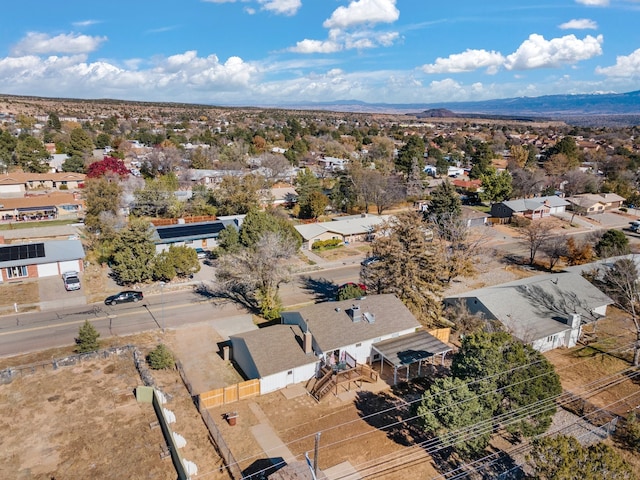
(269, 52)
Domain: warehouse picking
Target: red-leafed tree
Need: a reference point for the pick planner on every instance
(107, 164)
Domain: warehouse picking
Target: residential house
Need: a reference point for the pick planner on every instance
(194, 235)
(282, 195)
(474, 218)
(18, 183)
(532, 208)
(41, 207)
(590, 203)
(334, 335)
(348, 229)
(546, 311)
(40, 259)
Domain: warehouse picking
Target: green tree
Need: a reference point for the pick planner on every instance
(238, 195)
(445, 201)
(102, 196)
(133, 253)
(453, 413)
(496, 186)
(8, 145)
(160, 358)
(229, 239)
(349, 291)
(103, 140)
(414, 148)
(87, 340)
(80, 144)
(54, 121)
(343, 195)
(73, 164)
(508, 376)
(612, 243)
(31, 154)
(313, 205)
(157, 198)
(481, 160)
(257, 223)
(561, 457)
(184, 260)
(410, 267)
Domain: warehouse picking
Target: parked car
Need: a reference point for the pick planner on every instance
(124, 297)
(71, 281)
(370, 260)
(202, 253)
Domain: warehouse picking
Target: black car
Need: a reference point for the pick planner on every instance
(123, 297)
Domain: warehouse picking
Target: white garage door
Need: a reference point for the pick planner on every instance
(71, 266)
(47, 269)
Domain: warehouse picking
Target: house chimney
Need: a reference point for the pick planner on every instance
(307, 342)
(356, 315)
(574, 320)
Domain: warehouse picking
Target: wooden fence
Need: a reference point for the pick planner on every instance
(230, 394)
(161, 222)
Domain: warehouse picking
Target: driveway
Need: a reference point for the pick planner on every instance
(54, 296)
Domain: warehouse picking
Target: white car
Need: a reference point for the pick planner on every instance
(71, 280)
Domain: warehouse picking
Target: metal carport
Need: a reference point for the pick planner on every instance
(408, 349)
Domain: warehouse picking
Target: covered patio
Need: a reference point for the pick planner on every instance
(406, 350)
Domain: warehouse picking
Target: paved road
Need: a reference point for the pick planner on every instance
(22, 333)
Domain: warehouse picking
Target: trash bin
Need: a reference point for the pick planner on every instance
(232, 418)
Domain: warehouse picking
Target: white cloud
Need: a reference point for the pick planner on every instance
(316, 46)
(42, 44)
(360, 12)
(85, 23)
(536, 52)
(594, 3)
(579, 24)
(283, 7)
(627, 66)
(467, 61)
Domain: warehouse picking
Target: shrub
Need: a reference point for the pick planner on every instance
(325, 244)
(87, 340)
(160, 358)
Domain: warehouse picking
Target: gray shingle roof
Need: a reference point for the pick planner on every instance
(54, 251)
(276, 348)
(333, 328)
(539, 306)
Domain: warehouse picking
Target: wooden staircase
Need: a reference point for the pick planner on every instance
(330, 380)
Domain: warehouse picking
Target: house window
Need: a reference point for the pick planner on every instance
(358, 345)
(17, 272)
(550, 339)
(188, 242)
(290, 372)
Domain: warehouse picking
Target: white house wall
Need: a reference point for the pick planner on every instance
(361, 351)
(280, 380)
(601, 310)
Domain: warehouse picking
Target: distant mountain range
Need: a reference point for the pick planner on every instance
(605, 109)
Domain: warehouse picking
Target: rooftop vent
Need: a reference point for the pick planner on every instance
(369, 317)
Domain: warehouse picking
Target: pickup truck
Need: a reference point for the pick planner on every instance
(71, 281)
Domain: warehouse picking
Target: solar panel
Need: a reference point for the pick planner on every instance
(12, 253)
(190, 230)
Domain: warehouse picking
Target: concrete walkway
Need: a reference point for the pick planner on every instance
(268, 439)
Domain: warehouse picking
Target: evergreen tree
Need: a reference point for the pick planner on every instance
(410, 267)
(445, 201)
(413, 149)
(134, 253)
(87, 340)
(449, 410)
(160, 358)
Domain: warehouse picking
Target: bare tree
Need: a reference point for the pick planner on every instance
(459, 245)
(536, 234)
(253, 276)
(555, 248)
(620, 282)
(378, 189)
(274, 167)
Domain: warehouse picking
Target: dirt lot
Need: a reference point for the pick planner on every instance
(83, 421)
